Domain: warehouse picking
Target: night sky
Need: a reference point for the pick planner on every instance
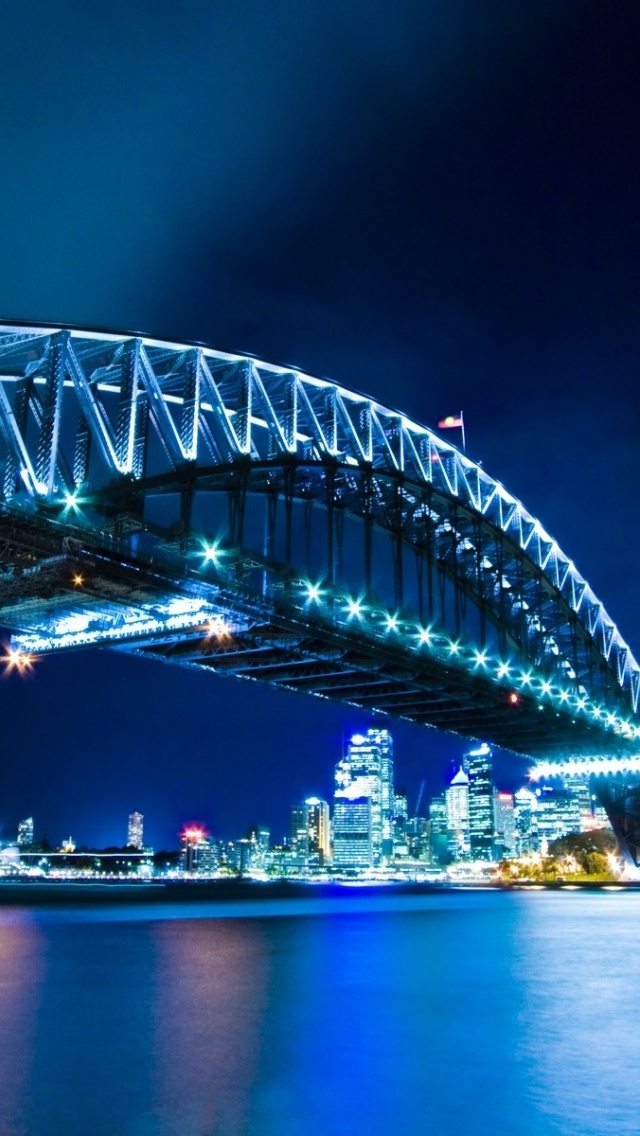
(435, 202)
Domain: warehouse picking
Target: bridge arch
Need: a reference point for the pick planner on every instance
(260, 495)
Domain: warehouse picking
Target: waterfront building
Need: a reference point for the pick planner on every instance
(134, 831)
(578, 785)
(260, 840)
(196, 851)
(479, 769)
(25, 833)
(457, 802)
(557, 815)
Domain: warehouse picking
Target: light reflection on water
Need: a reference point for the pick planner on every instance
(468, 1012)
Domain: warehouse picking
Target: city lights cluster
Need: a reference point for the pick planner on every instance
(347, 610)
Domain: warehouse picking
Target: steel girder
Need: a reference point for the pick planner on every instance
(93, 426)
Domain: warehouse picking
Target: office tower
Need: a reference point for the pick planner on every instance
(367, 772)
(478, 766)
(457, 800)
(352, 828)
(400, 818)
(556, 815)
(196, 853)
(134, 831)
(525, 817)
(299, 835)
(260, 839)
(318, 831)
(25, 832)
(505, 825)
(579, 787)
(439, 829)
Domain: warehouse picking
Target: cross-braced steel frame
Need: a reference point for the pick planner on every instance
(215, 510)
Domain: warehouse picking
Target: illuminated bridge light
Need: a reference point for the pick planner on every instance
(314, 595)
(564, 695)
(525, 678)
(78, 580)
(392, 623)
(503, 670)
(514, 698)
(585, 767)
(71, 501)
(218, 627)
(480, 659)
(16, 660)
(424, 635)
(546, 687)
(453, 647)
(354, 609)
(211, 553)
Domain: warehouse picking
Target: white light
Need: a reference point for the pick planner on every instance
(453, 648)
(313, 593)
(354, 608)
(526, 678)
(218, 627)
(546, 688)
(503, 670)
(425, 635)
(481, 658)
(392, 623)
(211, 553)
(71, 501)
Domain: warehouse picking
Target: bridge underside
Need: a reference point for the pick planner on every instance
(63, 590)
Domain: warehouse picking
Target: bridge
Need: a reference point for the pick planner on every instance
(216, 511)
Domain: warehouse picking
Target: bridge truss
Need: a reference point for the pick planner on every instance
(217, 511)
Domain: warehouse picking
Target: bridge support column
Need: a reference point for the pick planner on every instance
(621, 801)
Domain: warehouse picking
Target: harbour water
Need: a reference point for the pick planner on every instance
(471, 1012)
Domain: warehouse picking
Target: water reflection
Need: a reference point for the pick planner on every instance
(467, 1012)
(209, 991)
(22, 967)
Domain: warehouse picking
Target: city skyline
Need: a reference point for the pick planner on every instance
(363, 784)
(435, 205)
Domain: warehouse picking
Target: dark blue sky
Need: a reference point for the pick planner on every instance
(435, 202)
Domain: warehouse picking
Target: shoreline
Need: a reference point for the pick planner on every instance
(42, 893)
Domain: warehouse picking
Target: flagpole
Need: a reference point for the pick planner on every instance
(464, 448)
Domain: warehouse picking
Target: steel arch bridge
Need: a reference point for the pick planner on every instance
(216, 511)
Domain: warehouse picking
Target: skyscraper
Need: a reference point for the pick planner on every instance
(352, 839)
(367, 773)
(134, 831)
(457, 799)
(319, 831)
(504, 814)
(478, 765)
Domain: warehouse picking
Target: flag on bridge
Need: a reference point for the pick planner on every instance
(453, 420)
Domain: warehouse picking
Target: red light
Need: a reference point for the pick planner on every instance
(514, 698)
(192, 835)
